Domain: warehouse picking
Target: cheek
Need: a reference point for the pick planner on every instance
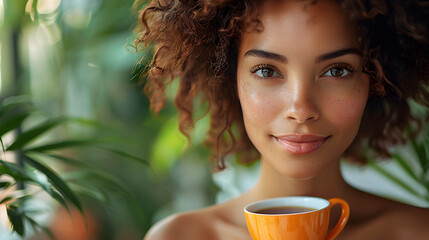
(257, 104)
(347, 110)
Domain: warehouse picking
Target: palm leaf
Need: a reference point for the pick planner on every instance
(14, 198)
(26, 137)
(2, 145)
(15, 171)
(107, 180)
(5, 184)
(405, 166)
(11, 103)
(6, 199)
(56, 181)
(127, 155)
(16, 219)
(69, 161)
(85, 143)
(12, 122)
(63, 144)
(393, 178)
(420, 152)
(34, 11)
(21, 175)
(426, 151)
(36, 226)
(90, 192)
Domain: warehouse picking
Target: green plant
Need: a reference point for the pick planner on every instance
(415, 166)
(24, 170)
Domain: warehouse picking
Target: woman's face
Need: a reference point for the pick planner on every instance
(301, 86)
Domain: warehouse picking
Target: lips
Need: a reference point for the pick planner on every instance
(301, 143)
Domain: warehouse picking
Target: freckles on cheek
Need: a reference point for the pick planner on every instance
(347, 110)
(257, 106)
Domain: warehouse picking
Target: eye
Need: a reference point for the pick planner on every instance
(265, 71)
(339, 71)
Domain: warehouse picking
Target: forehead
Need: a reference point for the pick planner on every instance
(307, 24)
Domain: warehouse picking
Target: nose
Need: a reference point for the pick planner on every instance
(301, 106)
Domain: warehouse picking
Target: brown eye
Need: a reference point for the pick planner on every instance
(337, 72)
(266, 72)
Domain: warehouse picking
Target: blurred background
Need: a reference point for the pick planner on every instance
(75, 59)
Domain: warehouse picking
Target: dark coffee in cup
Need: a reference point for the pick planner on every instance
(285, 210)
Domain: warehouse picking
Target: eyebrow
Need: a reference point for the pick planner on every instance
(338, 53)
(265, 54)
(283, 59)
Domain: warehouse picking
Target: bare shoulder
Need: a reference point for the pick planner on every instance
(188, 225)
(409, 222)
(217, 222)
(374, 217)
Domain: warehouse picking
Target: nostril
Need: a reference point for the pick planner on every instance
(302, 118)
(311, 118)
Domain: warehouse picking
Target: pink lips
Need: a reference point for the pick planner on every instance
(301, 144)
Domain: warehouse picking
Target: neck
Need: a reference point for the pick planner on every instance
(327, 184)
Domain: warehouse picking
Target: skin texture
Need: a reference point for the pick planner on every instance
(299, 93)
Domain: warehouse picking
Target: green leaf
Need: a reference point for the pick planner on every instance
(426, 151)
(108, 181)
(404, 165)
(393, 178)
(78, 143)
(13, 170)
(5, 184)
(12, 122)
(34, 13)
(26, 137)
(105, 180)
(63, 144)
(57, 182)
(418, 149)
(127, 155)
(12, 103)
(36, 226)
(15, 198)
(69, 161)
(16, 219)
(57, 196)
(2, 145)
(6, 199)
(19, 174)
(93, 193)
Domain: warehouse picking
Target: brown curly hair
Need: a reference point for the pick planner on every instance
(196, 42)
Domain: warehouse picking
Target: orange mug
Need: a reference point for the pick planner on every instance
(296, 217)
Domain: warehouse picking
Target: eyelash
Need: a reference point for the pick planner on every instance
(258, 67)
(341, 65)
(345, 66)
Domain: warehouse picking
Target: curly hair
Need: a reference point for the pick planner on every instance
(196, 42)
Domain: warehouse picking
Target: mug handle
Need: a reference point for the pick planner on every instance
(345, 212)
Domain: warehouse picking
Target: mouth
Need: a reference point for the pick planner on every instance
(301, 143)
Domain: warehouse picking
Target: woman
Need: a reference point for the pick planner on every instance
(298, 84)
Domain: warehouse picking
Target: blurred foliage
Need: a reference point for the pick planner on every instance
(23, 179)
(415, 166)
(73, 59)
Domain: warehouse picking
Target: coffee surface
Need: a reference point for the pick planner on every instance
(284, 210)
